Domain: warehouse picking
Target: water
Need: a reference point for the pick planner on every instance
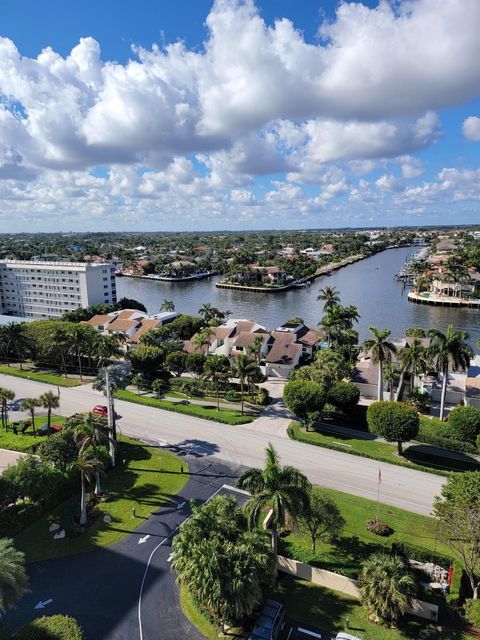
(368, 284)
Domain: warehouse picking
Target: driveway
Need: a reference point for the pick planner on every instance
(126, 591)
(8, 457)
(401, 487)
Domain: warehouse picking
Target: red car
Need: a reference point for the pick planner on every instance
(100, 410)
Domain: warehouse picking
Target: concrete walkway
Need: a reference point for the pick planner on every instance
(8, 457)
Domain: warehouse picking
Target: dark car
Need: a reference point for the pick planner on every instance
(270, 623)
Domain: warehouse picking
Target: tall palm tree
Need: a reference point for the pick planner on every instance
(381, 350)
(93, 432)
(167, 305)
(330, 296)
(60, 340)
(30, 404)
(255, 349)
(106, 348)
(284, 490)
(13, 577)
(49, 401)
(82, 338)
(243, 368)
(16, 340)
(202, 338)
(414, 360)
(217, 370)
(6, 396)
(210, 314)
(447, 351)
(392, 377)
(386, 586)
(87, 465)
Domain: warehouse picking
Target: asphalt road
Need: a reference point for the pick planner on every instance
(103, 589)
(243, 445)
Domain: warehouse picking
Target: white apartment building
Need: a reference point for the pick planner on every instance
(39, 289)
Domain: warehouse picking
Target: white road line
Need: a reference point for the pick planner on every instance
(139, 608)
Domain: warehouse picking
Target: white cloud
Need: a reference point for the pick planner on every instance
(471, 128)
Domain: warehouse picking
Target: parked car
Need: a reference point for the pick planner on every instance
(100, 410)
(270, 623)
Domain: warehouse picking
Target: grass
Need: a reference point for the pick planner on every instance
(25, 442)
(326, 610)
(48, 378)
(196, 617)
(355, 544)
(145, 478)
(416, 456)
(208, 412)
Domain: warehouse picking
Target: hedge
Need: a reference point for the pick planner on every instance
(47, 378)
(225, 416)
(55, 627)
(472, 612)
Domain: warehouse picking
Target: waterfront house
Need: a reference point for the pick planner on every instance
(130, 323)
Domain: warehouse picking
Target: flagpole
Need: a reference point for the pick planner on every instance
(378, 491)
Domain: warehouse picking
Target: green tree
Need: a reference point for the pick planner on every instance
(82, 339)
(210, 314)
(457, 511)
(49, 401)
(225, 567)
(60, 450)
(6, 396)
(243, 367)
(13, 577)
(344, 395)
(327, 368)
(107, 348)
(381, 350)
(322, 518)
(414, 359)
(146, 360)
(16, 340)
(464, 423)
(217, 371)
(449, 350)
(305, 399)
(93, 432)
(176, 362)
(391, 377)
(167, 305)
(386, 587)
(284, 490)
(87, 466)
(30, 404)
(330, 297)
(56, 627)
(394, 421)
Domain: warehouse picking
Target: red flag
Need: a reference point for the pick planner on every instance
(450, 576)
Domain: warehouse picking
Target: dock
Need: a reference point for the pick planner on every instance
(426, 297)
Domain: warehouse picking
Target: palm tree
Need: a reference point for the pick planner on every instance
(87, 466)
(30, 404)
(386, 586)
(93, 432)
(284, 490)
(217, 370)
(106, 348)
(167, 305)
(330, 296)
(16, 340)
(202, 338)
(13, 577)
(243, 368)
(49, 401)
(392, 376)
(255, 349)
(82, 338)
(414, 360)
(381, 350)
(210, 314)
(449, 350)
(6, 396)
(60, 341)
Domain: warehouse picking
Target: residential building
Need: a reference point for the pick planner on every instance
(44, 289)
(130, 323)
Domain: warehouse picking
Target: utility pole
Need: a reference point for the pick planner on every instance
(111, 418)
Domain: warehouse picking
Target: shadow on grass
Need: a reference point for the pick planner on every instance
(429, 456)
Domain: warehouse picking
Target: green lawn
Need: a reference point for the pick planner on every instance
(328, 611)
(356, 543)
(207, 411)
(145, 479)
(192, 613)
(413, 457)
(38, 376)
(25, 442)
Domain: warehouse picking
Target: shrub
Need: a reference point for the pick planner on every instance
(379, 528)
(420, 400)
(305, 399)
(232, 396)
(55, 627)
(472, 612)
(464, 423)
(394, 421)
(263, 397)
(344, 395)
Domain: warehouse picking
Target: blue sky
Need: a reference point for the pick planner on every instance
(277, 114)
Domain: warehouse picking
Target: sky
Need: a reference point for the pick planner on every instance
(277, 114)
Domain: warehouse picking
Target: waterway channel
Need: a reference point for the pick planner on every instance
(369, 284)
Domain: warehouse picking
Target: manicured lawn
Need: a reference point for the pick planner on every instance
(414, 457)
(356, 543)
(207, 411)
(25, 442)
(145, 479)
(329, 610)
(191, 612)
(38, 376)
